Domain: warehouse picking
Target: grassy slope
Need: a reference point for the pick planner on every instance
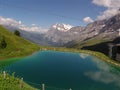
(16, 46)
(89, 42)
(12, 83)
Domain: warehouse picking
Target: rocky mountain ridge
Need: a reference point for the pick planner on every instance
(106, 29)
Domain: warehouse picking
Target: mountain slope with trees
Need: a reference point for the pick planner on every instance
(12, 45)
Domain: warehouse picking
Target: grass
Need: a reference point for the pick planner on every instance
(90, 42)
(12, 83)
(16, 46)
(102, 57)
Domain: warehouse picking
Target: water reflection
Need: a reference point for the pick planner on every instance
(78, 71)
(84, 56)
(106, 73)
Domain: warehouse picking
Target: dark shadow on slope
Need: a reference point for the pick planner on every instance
(101, 47)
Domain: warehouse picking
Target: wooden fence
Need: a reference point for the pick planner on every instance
(42, 86)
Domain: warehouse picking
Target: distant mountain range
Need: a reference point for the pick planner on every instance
(100, 30)
(70, 36)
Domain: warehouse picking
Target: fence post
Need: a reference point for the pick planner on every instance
(21, 83)
(4, 74)
(43, 86)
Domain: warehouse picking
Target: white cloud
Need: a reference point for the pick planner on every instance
(105, 74)
(11, 23)
(33, 24)
(105, 3)
(87, 20)
(107, 14)
(112, 8)
(20, 22)
(8, 21)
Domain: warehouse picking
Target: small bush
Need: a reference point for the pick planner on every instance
(17, 33)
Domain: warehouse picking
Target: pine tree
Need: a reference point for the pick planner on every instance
(3, 43)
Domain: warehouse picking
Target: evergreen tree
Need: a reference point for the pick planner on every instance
(3, 43)
(17, 33)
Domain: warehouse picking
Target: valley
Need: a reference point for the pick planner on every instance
(59, 45)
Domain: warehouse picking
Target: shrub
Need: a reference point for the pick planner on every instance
(17, 33)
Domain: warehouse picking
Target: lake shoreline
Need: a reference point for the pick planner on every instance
(48, 65)
(94, 53)
(71, 50)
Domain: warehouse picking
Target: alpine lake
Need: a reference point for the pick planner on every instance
(65, 70)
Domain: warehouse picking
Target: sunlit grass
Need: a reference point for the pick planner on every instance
(16, 46)
(10, 82)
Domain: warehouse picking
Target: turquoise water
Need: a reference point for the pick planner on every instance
(67, 70)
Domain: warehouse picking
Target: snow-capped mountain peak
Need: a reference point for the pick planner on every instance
(61, 27)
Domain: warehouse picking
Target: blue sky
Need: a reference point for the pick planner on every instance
(47, 12)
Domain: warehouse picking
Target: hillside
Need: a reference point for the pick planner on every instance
(12, 83)
(16, 46)
(98, 32)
